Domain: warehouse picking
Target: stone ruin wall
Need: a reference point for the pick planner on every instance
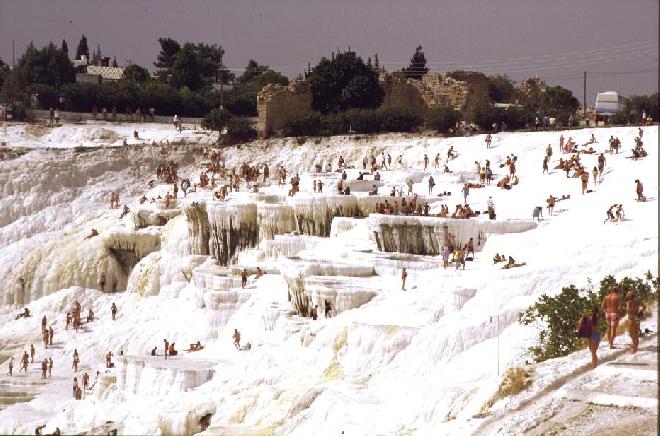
(277, 103)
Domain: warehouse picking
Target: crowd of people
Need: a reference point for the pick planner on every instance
(610, 309)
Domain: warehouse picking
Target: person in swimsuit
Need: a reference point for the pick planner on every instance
(610, 305)
(594, 340)
(634, 310)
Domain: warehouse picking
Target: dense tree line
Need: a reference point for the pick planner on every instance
(345, 90)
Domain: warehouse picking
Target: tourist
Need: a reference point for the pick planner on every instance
(466, 192)
(11, 366)
(640, 190)
(610, 214)
(445, 256)
(431, 185)
(237, 339)
(50, 367)
(32, 353)
(610, 306)
(243, 278)
(634, 310)
(85, 381)
(314, 312)
(166, 348)
(76, 360)
(25, 360)
(44, 368)
(404, 275)
(588, 328)
(469, 248)
(113, 310)
(584, 177)
(328, 309)
(171, 350)
(426, 161)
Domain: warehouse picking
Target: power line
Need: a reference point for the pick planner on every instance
(526, 59)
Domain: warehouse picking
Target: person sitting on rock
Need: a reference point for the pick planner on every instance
(24, 314)
(124, 212)
(512, 264)
(195, 347)
(504, 183)
(171, 350)
(92, 234)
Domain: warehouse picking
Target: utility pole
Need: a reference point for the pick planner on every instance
(13, 81)
(584, 97)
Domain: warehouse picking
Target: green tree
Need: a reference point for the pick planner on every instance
(136, 74)
(242, 100)
(240, 130)
(4, 71)
(558, 102)
(82, 48)
(187, 68)
(218, 119)
(48, 66)
(166, 57)
(635, 106)
(260, 75)
(442, 119)
(65, 47)
(417, 67)
(194, 66)
(556, 317)
(210, 59)
(500, 88)
(342, 83)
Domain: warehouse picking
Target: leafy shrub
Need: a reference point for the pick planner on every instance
(557, 317)
(335, 124)
(217, 120)
(515, 380)
(399, 119)
(442, 119)
(485, 115)
(304, 125)
(240, 130)
(22, 113)
(354, 120)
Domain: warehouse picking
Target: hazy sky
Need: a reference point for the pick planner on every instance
(616, 41)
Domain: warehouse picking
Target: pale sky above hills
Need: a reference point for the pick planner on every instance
(615, 41)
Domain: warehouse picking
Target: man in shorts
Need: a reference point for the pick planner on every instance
(610, 306)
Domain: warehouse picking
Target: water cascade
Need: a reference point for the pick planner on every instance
(427, 235)
(233, 227)
(198, 228)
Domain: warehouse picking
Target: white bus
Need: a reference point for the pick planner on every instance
(608, 103)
